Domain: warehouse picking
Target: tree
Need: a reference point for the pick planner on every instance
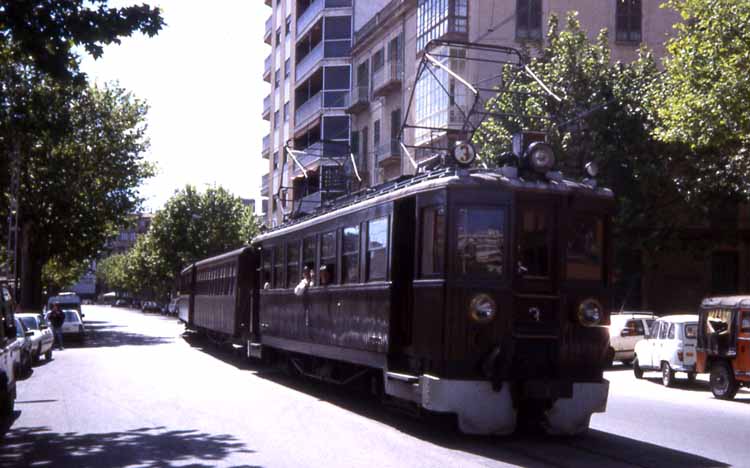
(607, 115)
(704, 98)
(111, 274)
(48, 30)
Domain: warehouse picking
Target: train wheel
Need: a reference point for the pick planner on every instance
(637, 371)
(723, 385)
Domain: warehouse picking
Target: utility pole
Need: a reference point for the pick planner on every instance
(13, 215)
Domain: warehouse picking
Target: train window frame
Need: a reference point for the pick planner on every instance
(438, 254)
(502, 208)
(313, 240)
(291, 280)
(354, 254)
(278, 266)
(266, 269)
(384, 249)
(330, 261)
(582, 265)
(549, 242)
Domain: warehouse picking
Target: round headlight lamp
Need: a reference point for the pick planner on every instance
(590, 312)
(541, 156)
(482, 308)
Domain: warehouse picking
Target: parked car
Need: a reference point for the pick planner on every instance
(122, 303)
(626, 329)
(42, 340)
(150, 306)
(724, 344)
(73, 325)
(669, 347)
(22, 349)
(172, 308)
(66, 300)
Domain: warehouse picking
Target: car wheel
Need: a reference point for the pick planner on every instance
(637, 371)
(610, 357)
(7, 405)
(723, 385)
(48, 355)
(667, 374)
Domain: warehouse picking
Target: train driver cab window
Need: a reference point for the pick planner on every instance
(350, 255)
(292, 264)
(377, 249)
(585, 247)
(481, 241)
(278, 268)
(328, 258)
(433, 241)
(534, 244)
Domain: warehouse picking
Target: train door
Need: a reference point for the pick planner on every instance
(402, 274)
(537, 252)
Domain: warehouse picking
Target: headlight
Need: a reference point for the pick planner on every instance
(541, 156)
(482, 308)
(589, 312)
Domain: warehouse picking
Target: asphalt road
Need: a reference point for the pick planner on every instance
(137, 393)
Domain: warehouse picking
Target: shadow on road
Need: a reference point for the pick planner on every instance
(107, 335)
(594, 449)
(145, 447)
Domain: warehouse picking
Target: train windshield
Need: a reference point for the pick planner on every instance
(481, 241)
(585, 248)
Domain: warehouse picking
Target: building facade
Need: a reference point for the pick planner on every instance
(341, 76)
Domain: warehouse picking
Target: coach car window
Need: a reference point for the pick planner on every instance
(278, 267)
(585, 246)
(377, 248)
(745, 322)
(328, 254)
(481, 240)
(265, 275)
(292, 264)
(308, 253)
(350, 255)
(433, 241)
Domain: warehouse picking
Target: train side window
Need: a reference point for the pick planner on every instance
(350, 255)
(535, 242)
(745, 322)
(278, 268)
(328, 254)
(265, 274)
(308, 253)
(481, 241)
(433, 241)
(585, 247)
(292, 264)
(377, 249)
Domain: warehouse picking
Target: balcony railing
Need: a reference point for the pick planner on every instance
(267, 107)
(389, 76)
(386, 12)
(269, 30)
(360, 98)
(309, 62)
(388, 152)
(264, 185)
(329, 152)
(267, 68)
(306, 18)
(266, 146)
(308, 109)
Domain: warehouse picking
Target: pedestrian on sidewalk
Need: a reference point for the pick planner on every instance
(56, 319)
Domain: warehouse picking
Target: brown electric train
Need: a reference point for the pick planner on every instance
(478, 292)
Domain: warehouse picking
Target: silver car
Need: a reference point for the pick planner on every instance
(41, 339)
(22, 349)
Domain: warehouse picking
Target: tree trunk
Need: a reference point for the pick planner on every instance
(31, 272)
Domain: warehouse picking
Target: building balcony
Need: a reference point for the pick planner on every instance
(321, 101)
(266, 151)
(318, 154)
(389, 153)
(264, 190)
(267, 69)
(269, 30)
(308, 17)
(388, 78)
(267, 107)
(360, 99)
(309, 62)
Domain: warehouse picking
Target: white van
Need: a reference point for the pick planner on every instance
(669, 348)
(625, 330)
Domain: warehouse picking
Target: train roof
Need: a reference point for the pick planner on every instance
(222, 257)
(407, 186)
(731, 302)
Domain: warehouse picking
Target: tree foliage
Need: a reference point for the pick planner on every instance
(48, 30)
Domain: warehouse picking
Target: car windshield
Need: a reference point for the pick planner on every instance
(70, 316)
(30, 323)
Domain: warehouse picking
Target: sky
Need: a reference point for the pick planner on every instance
(202, 78)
